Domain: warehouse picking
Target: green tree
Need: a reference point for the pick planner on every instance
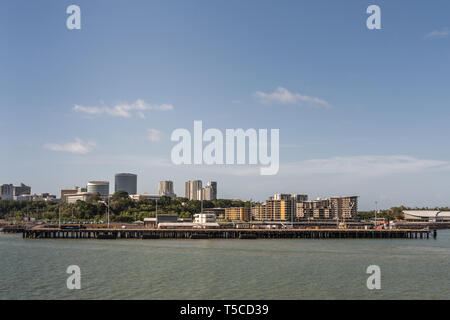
(119, 195)
(94, 198)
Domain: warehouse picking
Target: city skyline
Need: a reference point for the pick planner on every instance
(359, 111)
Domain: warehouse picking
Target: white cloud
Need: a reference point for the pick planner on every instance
(355, 166)
(364, 165)
(154, 135)
(77, 147)
(124, 110)
(444, 33)
(283, 96)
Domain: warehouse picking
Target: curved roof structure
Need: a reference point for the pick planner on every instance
(428, 213)
(422, 213)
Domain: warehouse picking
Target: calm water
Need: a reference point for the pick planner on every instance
(225, 269)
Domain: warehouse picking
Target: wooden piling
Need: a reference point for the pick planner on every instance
(225, 234)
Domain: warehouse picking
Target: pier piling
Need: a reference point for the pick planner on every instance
(51, 233)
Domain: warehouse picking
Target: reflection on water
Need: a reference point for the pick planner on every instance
(225, 269)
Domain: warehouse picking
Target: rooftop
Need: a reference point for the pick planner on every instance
(428, 213)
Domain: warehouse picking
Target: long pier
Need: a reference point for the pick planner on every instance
(13, 228)
(53, 233)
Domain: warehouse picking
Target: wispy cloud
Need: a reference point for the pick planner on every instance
(354, 166)
(133, 161)
(366, 165)
(77, 147)
(124, 110)
(443, 33)
(284, 96)
(154, 135)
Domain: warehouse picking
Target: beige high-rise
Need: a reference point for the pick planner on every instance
(191, 189)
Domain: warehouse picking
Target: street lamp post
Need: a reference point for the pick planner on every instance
(251, 213)
(337, 215)
(108, 210)
(292, 213)
(376, 210)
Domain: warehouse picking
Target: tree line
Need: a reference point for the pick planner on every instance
(394, 213)
(121, 208)
(124, 209)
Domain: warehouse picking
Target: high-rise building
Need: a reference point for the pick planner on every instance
(280, 210)
(210, 192)
(191, 189)
(22, 190)
(101, 187)
(200, 194)
(329, 208)
(277, 210)
(9, 191)
(344, 207)
(289, 197)
(194, 187)
(207, 193)
(259, 212)
(279, 207)
(126, 182)
(165, 188)
(299, 197)
(6, 191)
(314, 209)
(187, 189)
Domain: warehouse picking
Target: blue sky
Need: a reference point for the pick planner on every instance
(383, 134)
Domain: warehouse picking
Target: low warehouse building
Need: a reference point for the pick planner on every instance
(426, 215)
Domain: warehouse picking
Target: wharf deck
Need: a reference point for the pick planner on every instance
(55, 233)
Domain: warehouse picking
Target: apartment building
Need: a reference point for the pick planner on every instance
(315, 209)
(237, 213)
(259, 213)
(345, 207)
(329, 208)
(279, 207)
